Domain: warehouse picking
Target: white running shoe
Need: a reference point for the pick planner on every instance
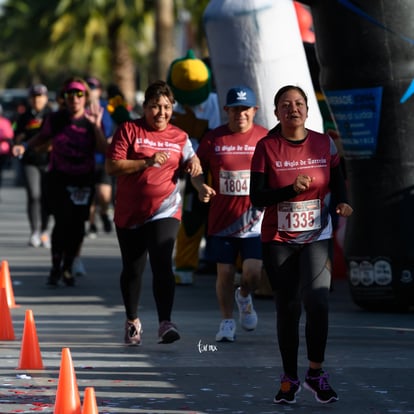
(183, 277)
(227, 331)
(78, 269)
(34, 240)
(248, 316)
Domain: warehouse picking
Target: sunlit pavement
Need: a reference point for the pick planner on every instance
(370, 356)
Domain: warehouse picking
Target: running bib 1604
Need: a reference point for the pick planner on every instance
(234, 182)
(299, 215)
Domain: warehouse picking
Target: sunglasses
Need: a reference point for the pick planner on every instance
(72, 94)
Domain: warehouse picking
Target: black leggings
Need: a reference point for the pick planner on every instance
(299, 273)
(69, 203)
(156, 238)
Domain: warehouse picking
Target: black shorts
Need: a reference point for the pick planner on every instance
(69, 196)
(101, 176)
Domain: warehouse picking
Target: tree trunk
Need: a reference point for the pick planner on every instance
(164, 37)
(122, 64)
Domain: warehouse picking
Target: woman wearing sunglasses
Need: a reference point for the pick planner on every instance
(74, 135)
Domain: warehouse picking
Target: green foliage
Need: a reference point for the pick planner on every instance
(48, 40)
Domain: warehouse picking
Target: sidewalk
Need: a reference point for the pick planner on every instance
(370, 356)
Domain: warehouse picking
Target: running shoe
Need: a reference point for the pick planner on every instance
(288, 390)
(248, 316)
(183, 277)
(133, 331)
(167, 333)
(78, 269)
(107, 224)
(320, 388)
(68, 278)
(227, 331)
(34, 239)
(45, 240)
(54, 276)
(93, 231)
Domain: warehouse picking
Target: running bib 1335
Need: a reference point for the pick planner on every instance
(299, 216)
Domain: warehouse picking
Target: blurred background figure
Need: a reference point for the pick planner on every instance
(76, 135)
(118, 107)
(196, 112)
(6, 136)
(34, 164)
(103, 184)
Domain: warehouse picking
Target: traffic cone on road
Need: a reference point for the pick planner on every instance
(67, 396)
(5, 282)
(89, 402)
(6, 325)
(30, 357)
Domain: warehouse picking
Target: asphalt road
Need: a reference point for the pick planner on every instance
(370, 355)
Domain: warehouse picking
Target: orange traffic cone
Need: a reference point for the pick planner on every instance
(67, 396)
(89, 402)
(6, 325)
(5, 282)
(30, 357)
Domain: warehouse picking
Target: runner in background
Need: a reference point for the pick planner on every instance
(6, 136)
(103, 195)
(103, 183)
(34, 164)
(74, 134)
(233, 223)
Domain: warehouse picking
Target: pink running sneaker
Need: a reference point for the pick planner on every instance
(133, 331)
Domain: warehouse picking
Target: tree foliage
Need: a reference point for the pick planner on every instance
(115, 40)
